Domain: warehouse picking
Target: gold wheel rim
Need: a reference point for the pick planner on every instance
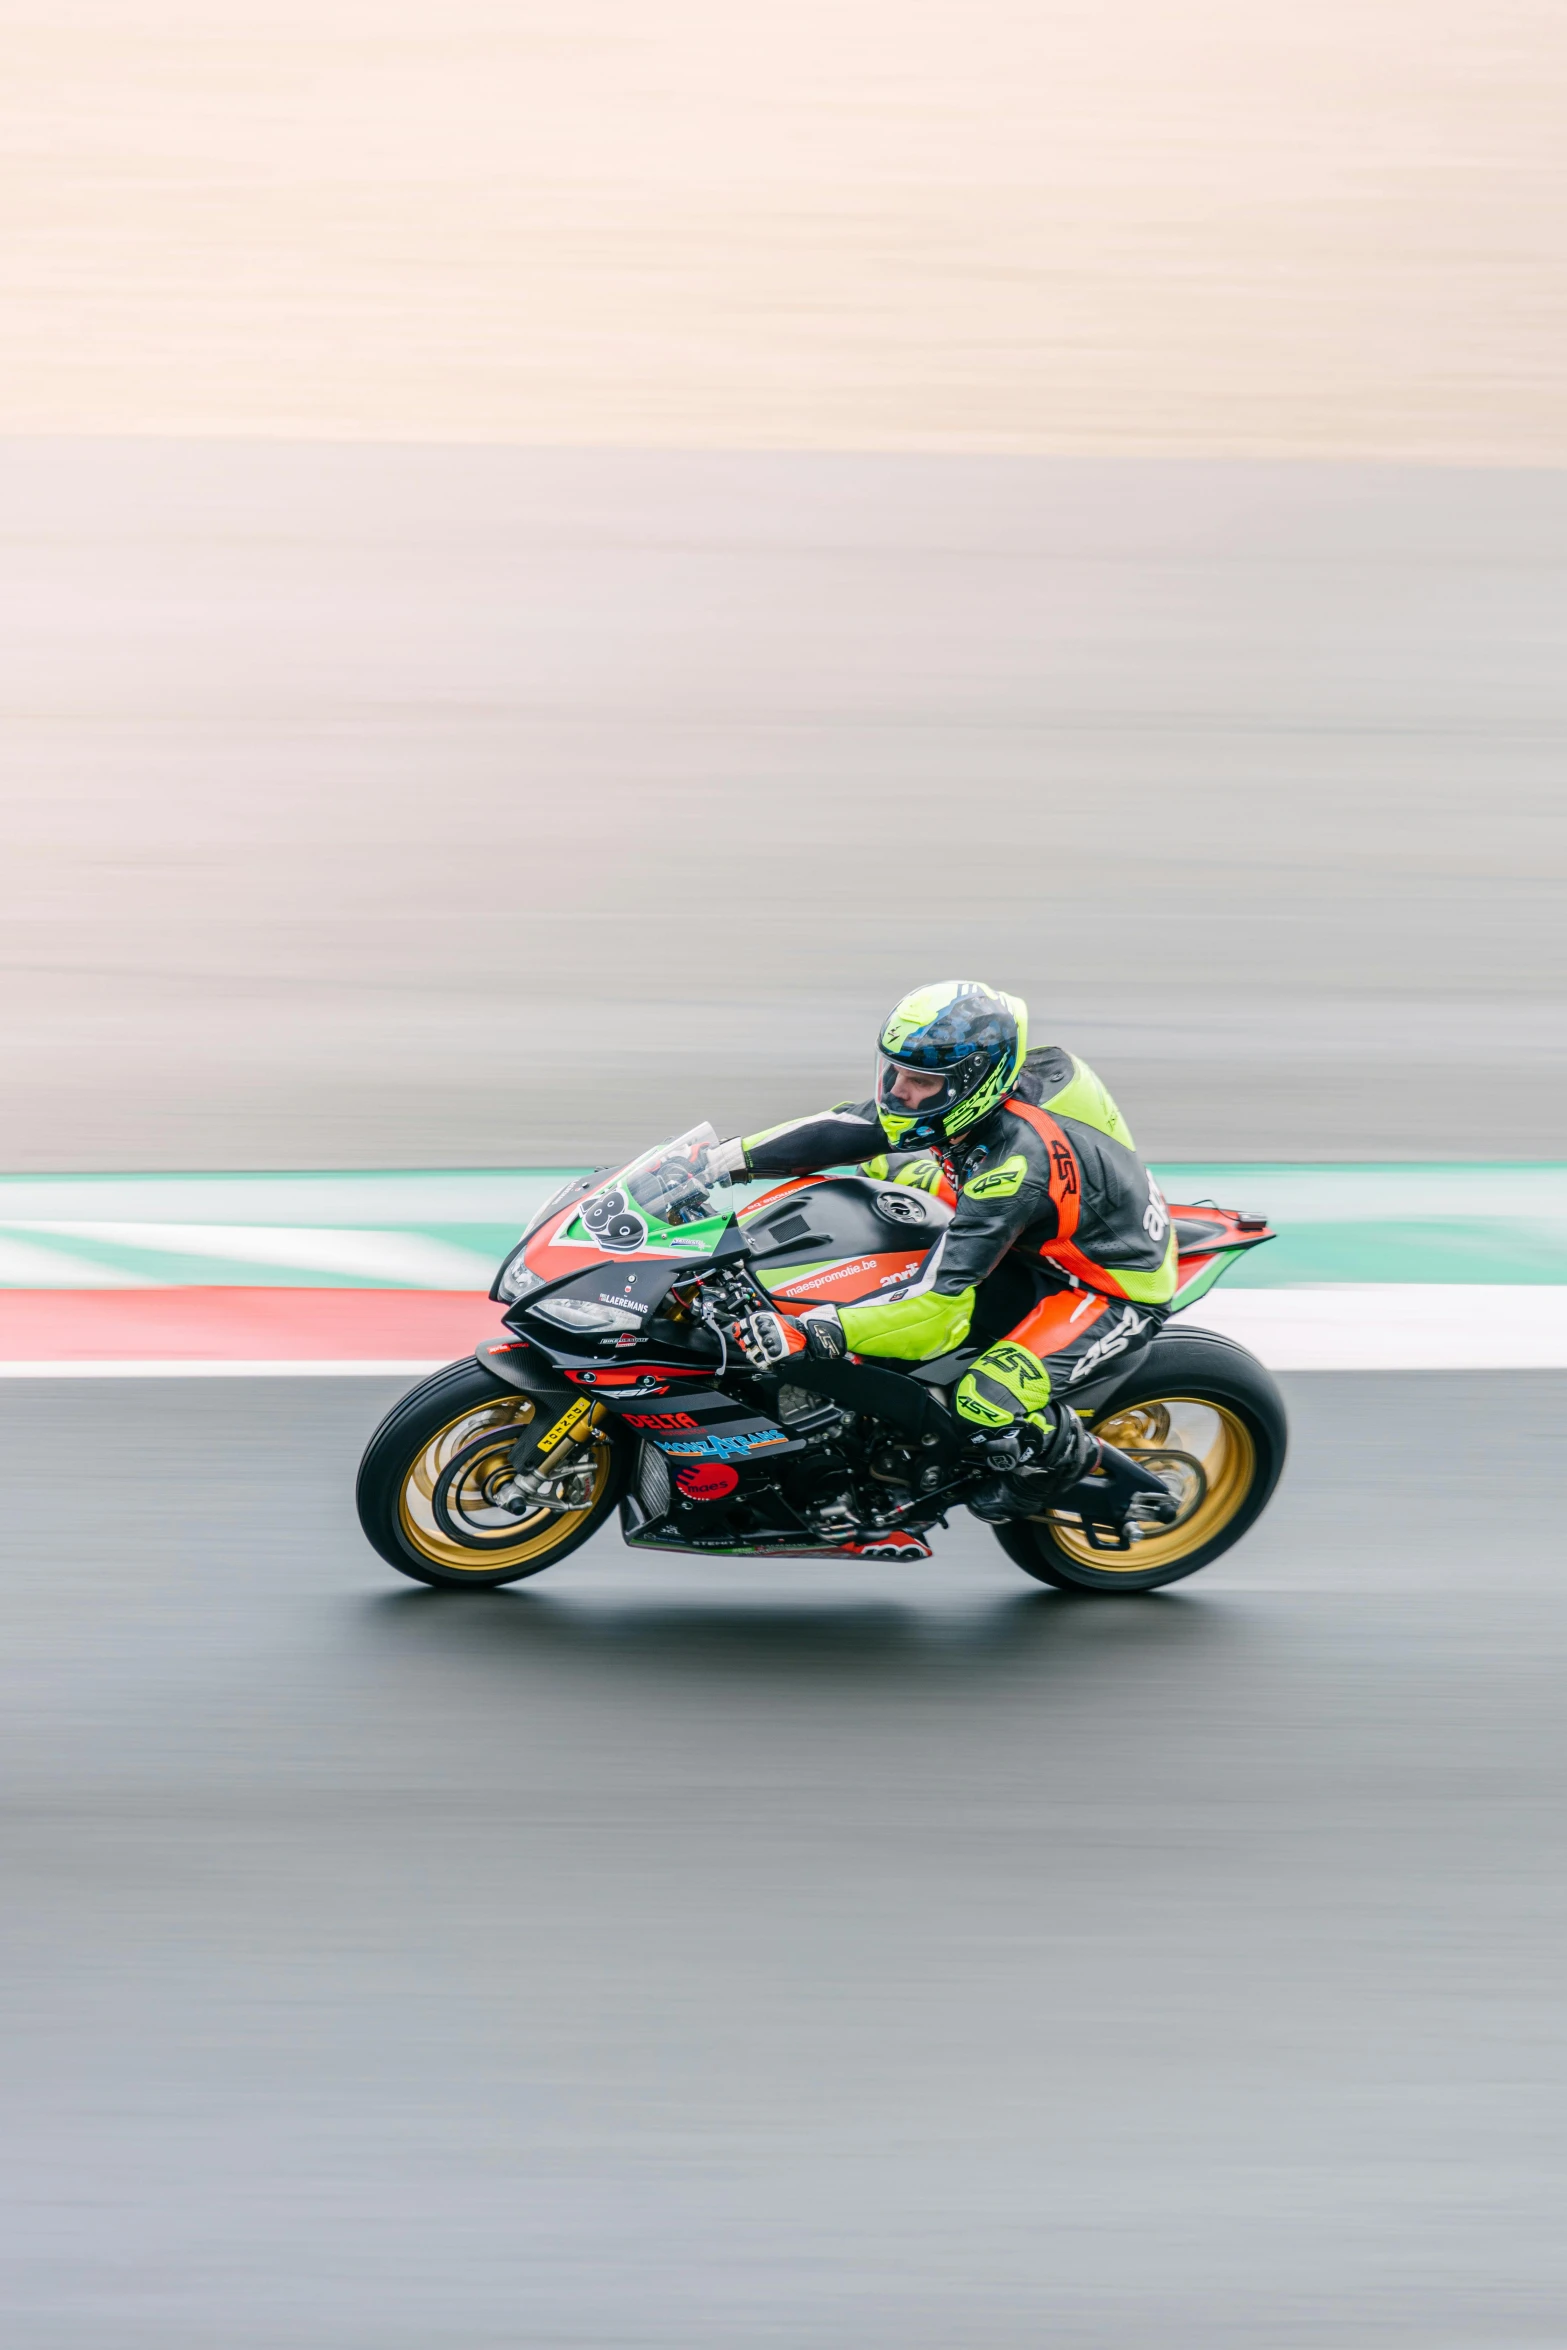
(1201, 1447)
(536, 1535)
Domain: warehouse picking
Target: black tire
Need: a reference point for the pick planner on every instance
(406, 1490)
(1239, 1400)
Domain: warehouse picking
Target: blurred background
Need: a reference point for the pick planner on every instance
(546, 567)
(552, 563)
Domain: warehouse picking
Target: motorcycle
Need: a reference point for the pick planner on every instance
(654, 1363)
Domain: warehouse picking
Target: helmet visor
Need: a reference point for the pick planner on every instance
(904, 1091)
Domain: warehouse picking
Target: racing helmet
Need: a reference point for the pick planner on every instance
(959, 1047)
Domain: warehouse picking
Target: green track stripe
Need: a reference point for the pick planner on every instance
(1505, 1224)
(1457, 1223)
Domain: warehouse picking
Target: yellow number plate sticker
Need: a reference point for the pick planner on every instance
(569, 1419)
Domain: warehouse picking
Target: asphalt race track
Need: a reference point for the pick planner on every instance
(672, 1955)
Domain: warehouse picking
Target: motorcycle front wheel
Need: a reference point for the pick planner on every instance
(425, 1485)
(1205, 1416)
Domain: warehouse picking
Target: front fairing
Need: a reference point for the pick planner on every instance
(621, 1240)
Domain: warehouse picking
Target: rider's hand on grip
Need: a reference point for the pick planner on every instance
(766, 1338)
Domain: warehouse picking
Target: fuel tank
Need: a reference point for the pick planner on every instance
(837, 1239)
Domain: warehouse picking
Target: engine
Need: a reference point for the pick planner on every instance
(851, 1477)
(822, 1484)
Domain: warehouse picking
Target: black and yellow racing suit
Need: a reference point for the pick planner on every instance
(1060, 1254)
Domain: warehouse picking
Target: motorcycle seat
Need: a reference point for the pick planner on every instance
(943, 1370)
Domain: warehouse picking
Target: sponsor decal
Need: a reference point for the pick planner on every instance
(978, 1407)
(833, 1273)
(888, 1546)
(725, 1546)
(999, 1182)
(567, 1421)
(713, 1481)
(703, 1400)
(614, 1223)
(1115, 1340)
(779, 1546)
(615, 1297)
(720, 1448)
(665, 1422)
(1156, 1216)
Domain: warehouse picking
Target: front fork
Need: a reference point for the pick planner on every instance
(552, 1479)
(561, 1484)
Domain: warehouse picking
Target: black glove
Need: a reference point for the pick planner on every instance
(824, 1339)
(1036, 1465)
(1067, 1451)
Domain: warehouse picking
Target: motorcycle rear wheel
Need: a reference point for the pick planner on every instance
(1206, 1414)
(421, 1490)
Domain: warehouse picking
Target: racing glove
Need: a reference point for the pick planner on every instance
(1066, 1452)
(1038, 1461)
(823, 1332)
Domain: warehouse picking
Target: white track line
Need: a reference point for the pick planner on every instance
(399, 1260)
(1395, 1326)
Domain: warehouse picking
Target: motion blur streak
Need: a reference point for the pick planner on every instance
(422, 807)
(725, 1957)
(1230, 226)
(553, 562)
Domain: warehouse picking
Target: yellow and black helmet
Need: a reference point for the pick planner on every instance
(948, 1056)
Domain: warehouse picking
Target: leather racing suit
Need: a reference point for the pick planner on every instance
(1060, 1254)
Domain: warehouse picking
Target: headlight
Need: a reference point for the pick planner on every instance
(579, 1313)
(516, 1282)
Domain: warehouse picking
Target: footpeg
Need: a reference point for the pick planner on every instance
(1122, 1503)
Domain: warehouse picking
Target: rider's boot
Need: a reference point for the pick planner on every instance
(1036, 1461)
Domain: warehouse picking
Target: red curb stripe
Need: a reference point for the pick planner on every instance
(243, 1325)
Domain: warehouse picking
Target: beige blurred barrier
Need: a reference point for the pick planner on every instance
(1230, 225)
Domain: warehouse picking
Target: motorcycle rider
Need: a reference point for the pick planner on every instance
(1060, 1254)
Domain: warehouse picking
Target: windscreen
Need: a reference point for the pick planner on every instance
(672, 1201)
